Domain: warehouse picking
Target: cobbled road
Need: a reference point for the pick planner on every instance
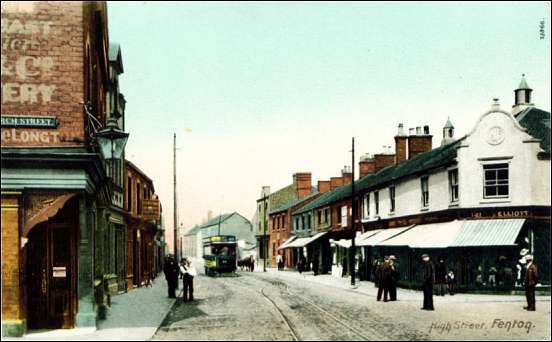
(257, 306)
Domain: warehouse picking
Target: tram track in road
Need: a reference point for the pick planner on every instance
(356, 332)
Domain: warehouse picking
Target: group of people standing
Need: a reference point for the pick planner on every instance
(386, 278)
(183, 270)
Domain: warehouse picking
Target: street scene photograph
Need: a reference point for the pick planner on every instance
(275, 171)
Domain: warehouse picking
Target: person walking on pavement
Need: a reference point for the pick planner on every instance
(428, 276)
(440, 277)
(531, 280)
(188, 273)
(393, 278)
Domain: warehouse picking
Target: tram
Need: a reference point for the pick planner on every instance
(220, 254)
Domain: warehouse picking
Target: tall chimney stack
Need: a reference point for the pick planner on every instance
(419, 143)
(347, 175)
(366, 165)
(323, 186)
(335, 182)
(302, 183)
(400, 145)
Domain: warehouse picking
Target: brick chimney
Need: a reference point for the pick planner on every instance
(366, 165)
(335, 182)
(419, 142)
(385, 159)
(400, 145)
(302, 183)
(347, 175)
(323, 186)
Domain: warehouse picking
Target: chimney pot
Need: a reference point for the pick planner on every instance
(400, 131)
(426, 130)
(411, 131)
(418, 130)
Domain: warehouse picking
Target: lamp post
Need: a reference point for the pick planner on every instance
(352, 252)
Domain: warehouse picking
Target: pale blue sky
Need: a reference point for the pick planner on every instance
(270, 89)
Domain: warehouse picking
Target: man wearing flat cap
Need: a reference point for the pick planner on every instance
(531, 279)
(428, 276)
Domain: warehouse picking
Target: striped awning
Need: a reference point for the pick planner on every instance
(488, 233)
(382, 235)
(433, 235)
(302, 242)
(287, 242)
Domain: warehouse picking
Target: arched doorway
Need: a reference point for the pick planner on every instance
(51, 271)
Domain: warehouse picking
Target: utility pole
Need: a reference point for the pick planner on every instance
(264, 239)
(352, 251)
(174, 203)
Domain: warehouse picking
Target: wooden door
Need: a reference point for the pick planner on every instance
(49, 277)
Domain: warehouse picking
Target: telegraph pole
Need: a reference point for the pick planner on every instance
(264, 239)
(174, 203)
(352, 251)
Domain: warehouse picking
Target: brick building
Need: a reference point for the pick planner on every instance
(61, 196)
(142, 218)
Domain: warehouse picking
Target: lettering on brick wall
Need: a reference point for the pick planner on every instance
(26, 72)
(29, 136)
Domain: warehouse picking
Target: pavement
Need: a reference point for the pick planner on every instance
(368, 288)
(135, 315)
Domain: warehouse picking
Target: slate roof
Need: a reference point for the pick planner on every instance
(422, 162)
(537, 123)
(193, 231)
(215, 220)
(293, 203)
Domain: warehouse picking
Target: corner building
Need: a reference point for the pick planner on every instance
(56, 190)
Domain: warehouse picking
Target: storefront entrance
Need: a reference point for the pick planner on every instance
(50, 270)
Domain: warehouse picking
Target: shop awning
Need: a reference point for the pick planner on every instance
(488, 233)
(433, 235)
(302, 242)
(346, 243)
(47, 212)
(382, 235)
(287, 242)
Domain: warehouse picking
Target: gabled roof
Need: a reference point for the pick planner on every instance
(193, 231)
(422, 162)
(293, 203)
(537, 123)
(216, 220)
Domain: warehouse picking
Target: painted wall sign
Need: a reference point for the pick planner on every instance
(29, 121)
(29, 136)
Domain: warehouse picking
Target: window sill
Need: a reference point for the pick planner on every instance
(495, 200)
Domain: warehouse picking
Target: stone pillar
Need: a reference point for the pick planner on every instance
(86, 315)
(13, 316)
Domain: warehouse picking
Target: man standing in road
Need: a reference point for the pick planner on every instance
(188, 273)
(428, 276)
(171, 275)
(531, 279)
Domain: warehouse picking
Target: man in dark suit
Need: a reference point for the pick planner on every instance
(531, 279)
(393, 278)
(428, 276)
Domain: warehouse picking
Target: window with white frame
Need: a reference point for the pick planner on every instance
(392, 199)
(344, 216)
(496, 181)
(376, 202)
(366, 206)
(453, 185)
(425, 191)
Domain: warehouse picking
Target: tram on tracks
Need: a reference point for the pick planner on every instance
(220, 254)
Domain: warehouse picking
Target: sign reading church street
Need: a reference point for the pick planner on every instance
(29, 121)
